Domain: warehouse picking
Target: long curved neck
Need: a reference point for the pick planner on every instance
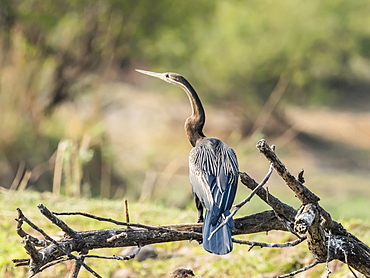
(194, 124)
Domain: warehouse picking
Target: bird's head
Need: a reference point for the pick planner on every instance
(170, 77)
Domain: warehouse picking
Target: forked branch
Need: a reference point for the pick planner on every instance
(327, 240)
(132, 235)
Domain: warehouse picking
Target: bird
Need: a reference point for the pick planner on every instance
(213, 172)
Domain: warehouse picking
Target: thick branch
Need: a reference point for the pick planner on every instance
(82, 242)
(308, 222)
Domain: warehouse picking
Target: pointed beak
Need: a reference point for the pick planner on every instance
(154, 74)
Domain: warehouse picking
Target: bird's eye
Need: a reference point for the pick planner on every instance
(167, 75)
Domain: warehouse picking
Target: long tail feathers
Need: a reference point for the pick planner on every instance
(220, 243)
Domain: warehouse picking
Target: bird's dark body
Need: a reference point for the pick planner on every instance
(214, 175)
(213, 172)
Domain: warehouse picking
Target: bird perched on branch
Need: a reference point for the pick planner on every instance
(213, 172)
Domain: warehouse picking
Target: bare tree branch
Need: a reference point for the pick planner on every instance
(299, 270)
(38, 258)
(303, 194)
(56, 221)
(270, 245)
(77, 267)
(119, 258)
(327, 239)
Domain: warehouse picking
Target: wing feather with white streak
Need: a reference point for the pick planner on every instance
(214, 175)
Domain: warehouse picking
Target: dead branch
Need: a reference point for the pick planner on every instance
(303, 193)
(270, 245)
(299, 270)
(327, 240)
(133, 235)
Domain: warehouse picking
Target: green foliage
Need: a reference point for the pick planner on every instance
(230, 46)
(249, 45)
(53, 54)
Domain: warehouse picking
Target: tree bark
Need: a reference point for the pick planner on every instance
(327, 240)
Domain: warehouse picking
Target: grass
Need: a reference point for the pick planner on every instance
(239, 263)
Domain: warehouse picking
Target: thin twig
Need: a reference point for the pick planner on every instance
(270, 245)
(54, 263)
(77, 267)
(278, 206)
(346, 260)
(240, 205)
(23, 234)
(126, 211)
(79, 258)
(120, 223)
(263, 182)
(299, 270)
(45, 235)
(114, 257)
(56, 221)
(21, 262)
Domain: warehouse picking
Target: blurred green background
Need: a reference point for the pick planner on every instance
(77, 120)
(78, 124)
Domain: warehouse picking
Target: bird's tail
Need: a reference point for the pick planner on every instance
(220, 243)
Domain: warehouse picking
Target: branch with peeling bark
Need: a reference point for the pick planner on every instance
(327, 240)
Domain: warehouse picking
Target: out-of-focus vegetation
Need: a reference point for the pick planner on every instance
(61, 63)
